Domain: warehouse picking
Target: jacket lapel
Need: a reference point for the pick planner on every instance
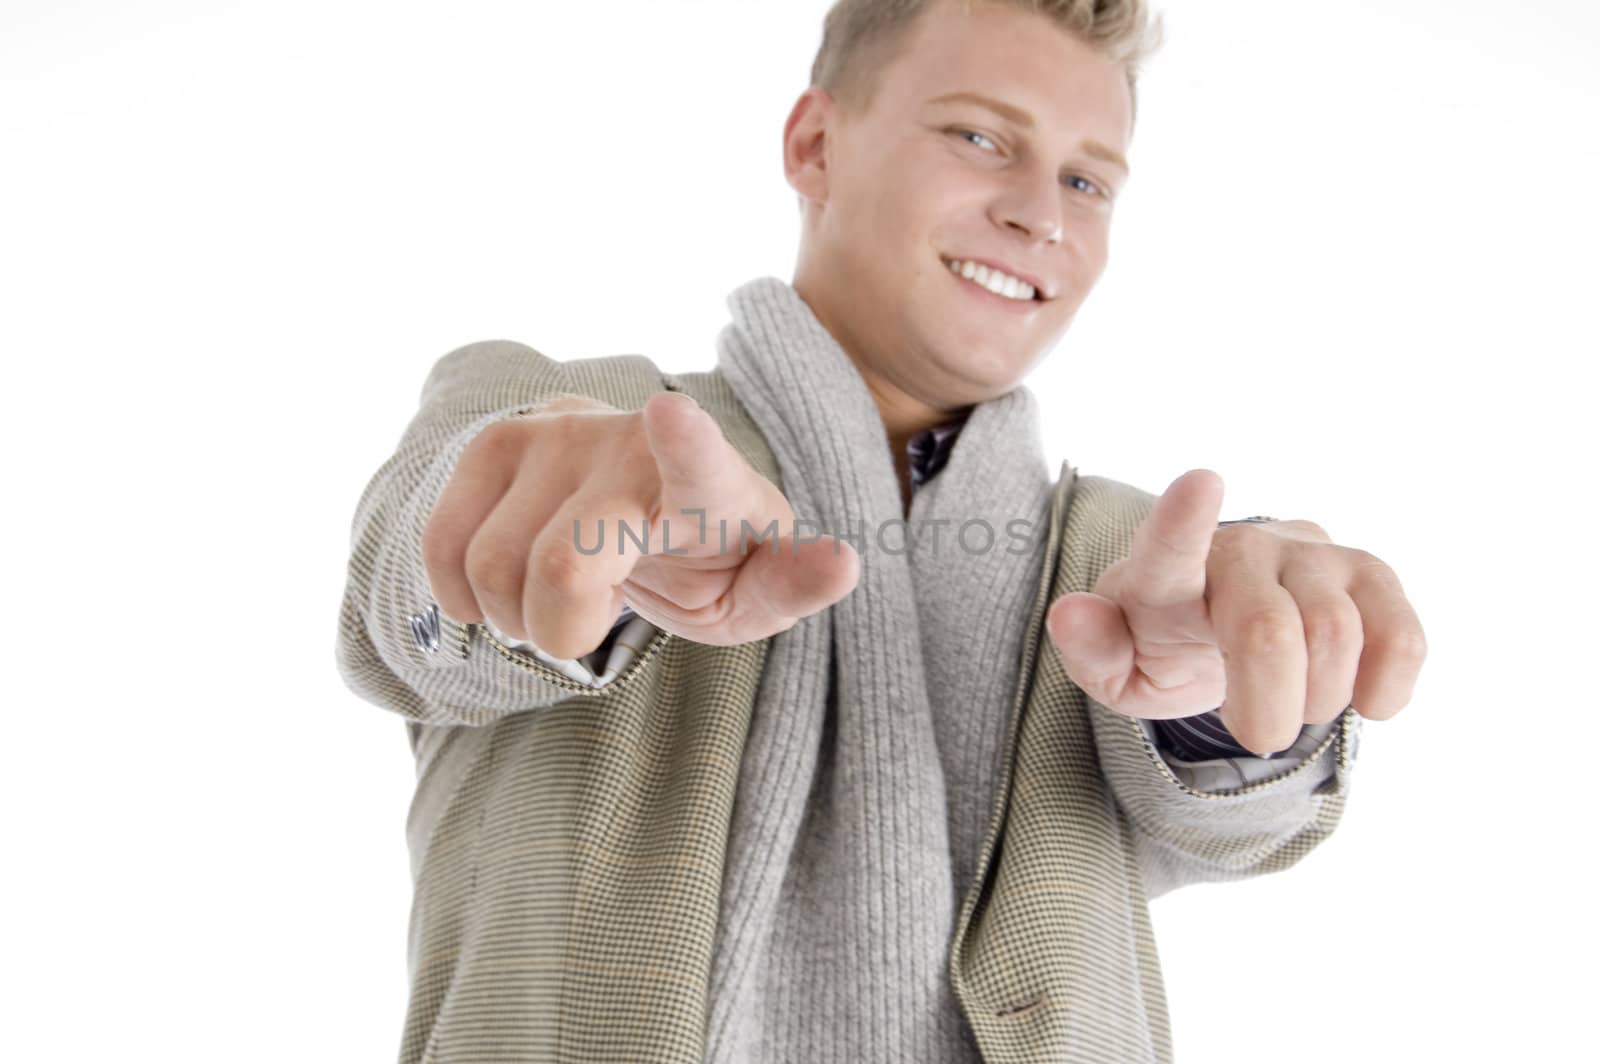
(1053, 956)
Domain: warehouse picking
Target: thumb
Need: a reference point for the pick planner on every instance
(1096, 647)
(778, 585)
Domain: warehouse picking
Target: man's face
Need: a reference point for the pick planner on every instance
(895, 194)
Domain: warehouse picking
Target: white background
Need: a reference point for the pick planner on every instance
(1353, 274)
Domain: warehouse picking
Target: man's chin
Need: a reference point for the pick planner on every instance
(970, 383)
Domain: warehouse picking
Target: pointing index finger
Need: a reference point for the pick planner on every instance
(699, 469)
(1167, 562)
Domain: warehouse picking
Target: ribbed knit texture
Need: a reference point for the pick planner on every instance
(874, 749)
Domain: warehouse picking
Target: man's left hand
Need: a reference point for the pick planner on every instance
(1272, 622)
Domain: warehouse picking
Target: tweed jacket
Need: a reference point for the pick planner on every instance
(567, 842)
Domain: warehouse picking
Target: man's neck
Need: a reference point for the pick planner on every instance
(903, 415)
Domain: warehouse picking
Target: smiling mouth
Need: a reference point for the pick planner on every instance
(1038, 293)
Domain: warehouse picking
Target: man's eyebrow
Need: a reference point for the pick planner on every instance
(1023, 120)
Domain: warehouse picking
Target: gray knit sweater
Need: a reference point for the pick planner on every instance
(790, 980)
(873, 755)
(859, 820)
(852, 807)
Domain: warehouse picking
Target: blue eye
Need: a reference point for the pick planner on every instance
(971, 132)
(1086, 185)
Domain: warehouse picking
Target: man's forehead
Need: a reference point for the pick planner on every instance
(1040, 88)
(1018, 88)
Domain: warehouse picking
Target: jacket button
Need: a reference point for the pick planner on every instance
(425, 629)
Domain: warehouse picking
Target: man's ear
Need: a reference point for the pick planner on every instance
(805, 146)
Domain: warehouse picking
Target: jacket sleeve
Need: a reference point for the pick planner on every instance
(395, 648)
(1225, 818)
(628, 636)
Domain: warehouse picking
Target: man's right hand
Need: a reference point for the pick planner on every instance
(500, 544)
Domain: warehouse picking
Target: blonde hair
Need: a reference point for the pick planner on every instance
(862, 37)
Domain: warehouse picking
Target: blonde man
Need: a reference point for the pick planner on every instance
(723, 752)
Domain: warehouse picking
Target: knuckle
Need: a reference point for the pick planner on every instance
(1331, 630)
(1268, 632)
(615, 500)
(490, 567)
(1370, 566)
(1312, 526)
(500, 441)
(556, 571)
(1408, 645)
(1235, 539)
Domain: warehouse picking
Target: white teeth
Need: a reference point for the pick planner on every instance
(1000, 284)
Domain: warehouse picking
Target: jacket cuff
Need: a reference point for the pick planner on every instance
(630, 634)
(400, 650)
(1231, 769)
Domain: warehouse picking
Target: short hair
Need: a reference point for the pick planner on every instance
(862, 37)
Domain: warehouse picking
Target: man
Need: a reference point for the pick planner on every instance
(830, 796)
